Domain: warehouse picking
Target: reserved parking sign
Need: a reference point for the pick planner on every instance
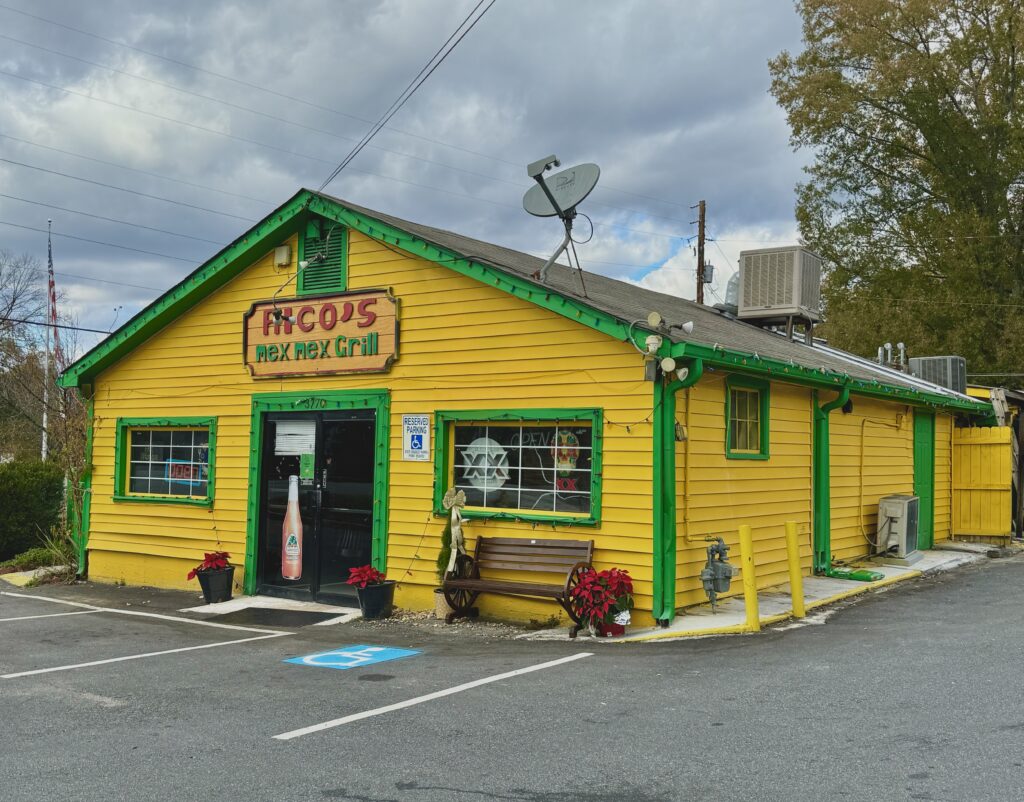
(416, 438)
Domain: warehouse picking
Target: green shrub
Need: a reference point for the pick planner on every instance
(31, 494)
(36, 557)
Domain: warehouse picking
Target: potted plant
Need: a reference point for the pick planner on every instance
(376, 593)
(603, 600)
(215, 575)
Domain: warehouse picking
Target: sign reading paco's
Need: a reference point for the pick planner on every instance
(352, 332)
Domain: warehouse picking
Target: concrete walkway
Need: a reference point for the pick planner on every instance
(775, 604)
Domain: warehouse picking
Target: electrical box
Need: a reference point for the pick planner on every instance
(898, 517)
(777, 283)
(283, 256)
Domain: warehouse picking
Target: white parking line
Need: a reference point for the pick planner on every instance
(48, 615)
(287, 736)
(139, 656)
(161, 616)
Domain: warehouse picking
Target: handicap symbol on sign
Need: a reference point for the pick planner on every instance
(352, 656)
(416, 442)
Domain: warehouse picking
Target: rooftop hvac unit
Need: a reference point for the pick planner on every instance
(780, 283)
(945, 371)
(898, 517)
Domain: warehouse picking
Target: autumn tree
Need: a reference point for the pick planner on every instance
(915, 196)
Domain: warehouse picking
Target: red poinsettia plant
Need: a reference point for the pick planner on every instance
(212, 561)
(365, 575)
(599, 596)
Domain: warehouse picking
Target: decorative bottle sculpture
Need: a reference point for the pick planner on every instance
(291, 534)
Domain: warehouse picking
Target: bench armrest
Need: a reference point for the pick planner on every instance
(573, 576)
(465, 568)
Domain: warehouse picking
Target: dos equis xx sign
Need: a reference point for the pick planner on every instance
(352, 332)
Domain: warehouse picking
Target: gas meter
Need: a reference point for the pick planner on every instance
(717, 574)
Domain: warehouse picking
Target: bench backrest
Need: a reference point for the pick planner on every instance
(529, 554)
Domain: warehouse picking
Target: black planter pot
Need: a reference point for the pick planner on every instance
(377, 601)
(216, 584)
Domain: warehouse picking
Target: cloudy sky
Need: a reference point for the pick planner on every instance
(172, 128)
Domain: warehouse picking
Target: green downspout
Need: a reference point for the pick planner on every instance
(85, 483)
(823, 481)
(664, 547)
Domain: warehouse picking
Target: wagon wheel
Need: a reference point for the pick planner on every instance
(459, 599)
(572, 606)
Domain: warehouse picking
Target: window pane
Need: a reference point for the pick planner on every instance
(161, 437)
(140, 437)
(169, 461)
(524, 467)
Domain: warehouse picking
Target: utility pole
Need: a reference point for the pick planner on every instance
(46, 355)
(700, 251)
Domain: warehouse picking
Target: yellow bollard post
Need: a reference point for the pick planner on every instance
(796, 577)
(749, 579)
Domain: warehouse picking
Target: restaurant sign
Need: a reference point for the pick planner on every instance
(351, 332)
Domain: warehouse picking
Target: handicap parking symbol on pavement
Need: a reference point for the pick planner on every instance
(352, 656)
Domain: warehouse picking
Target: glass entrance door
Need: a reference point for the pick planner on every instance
(329, 460)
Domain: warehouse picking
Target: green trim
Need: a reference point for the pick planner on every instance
(924, 476)
(663, 552)
(763, 389)
(776, 370)
(85, 483)
(821, 475)
(124, 425)
(288, 218)
(320, 401)
(442, 468)
(313, 231)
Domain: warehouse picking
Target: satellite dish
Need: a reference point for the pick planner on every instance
(568, 188)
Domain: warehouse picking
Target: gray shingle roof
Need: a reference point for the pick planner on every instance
(630, 303)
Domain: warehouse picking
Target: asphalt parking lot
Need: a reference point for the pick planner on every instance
(910, 694)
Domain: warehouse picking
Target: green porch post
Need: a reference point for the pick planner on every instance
(664, 547)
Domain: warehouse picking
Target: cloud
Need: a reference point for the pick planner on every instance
(669, 98)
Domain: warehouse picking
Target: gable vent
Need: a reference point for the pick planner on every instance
(328, 275)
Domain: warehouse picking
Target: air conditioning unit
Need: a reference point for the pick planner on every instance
(945, 371)
(898, 517)
(777, 283)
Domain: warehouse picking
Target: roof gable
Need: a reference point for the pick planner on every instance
(613, 307)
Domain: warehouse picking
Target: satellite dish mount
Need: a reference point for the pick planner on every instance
(558, 197)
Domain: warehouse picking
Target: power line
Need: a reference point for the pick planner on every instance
(436, 60)
(30, 143)
(100, 280)
(52, 325)
(111, 219)
(125, 189)
(98, 242)
(308, 103)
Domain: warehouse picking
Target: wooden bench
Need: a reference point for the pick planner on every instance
(517, 559)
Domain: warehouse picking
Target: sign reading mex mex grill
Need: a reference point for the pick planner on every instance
(351, 332)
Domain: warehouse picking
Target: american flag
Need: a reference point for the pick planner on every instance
(58, 353)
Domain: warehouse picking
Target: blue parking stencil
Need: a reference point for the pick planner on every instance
(352, 656)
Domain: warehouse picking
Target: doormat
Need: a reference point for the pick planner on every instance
(273, 617)
(352, 656)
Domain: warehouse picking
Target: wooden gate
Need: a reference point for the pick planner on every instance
(982, 481)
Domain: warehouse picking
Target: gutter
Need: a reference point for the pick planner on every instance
(822, 480)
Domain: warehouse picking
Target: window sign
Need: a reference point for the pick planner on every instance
(531, 466)
(416, 438)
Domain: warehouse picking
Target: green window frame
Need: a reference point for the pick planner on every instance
(123, 454)
(747, 413)
(445, 458)
(329, 239)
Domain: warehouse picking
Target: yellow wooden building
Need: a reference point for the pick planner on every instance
(383, 361)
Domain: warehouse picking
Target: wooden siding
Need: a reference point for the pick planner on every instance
(982, 481)
(463, 346)
(871, 455)
(716, 495)
(943, 477)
